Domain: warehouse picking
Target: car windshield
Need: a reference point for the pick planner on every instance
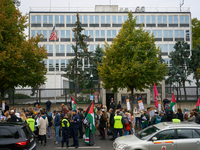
(146, 133)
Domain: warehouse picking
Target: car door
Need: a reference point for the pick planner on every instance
(166, 140)
(188, 139)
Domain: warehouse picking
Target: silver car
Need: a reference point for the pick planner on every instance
(162, 136)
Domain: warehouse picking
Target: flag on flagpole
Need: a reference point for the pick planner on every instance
(73, 103)
(89, 116)
(172, 104)
(198, 104)
(155, 95)
(53, 35)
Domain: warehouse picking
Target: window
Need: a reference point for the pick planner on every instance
(50, 63)
(62, 33)
(62, 48)
(91, 33)
(141, 19)
(57, 63)
(107, 19)
(108, 33)
(62, 63)
(150, 19)
(56, 19)
(57, 48)
(187, 33)
(165, 48)
(50, 48)
(114, 19)
(119, 19)
(161, 19)
(45, 33)
(67, 62)
(85, 62)
(179, 33)
(173, 19)
(80, 18)
(68, 19)
(91, 48)
(96, 19)
(103, 47)
(91, 19)
(50, 19)
(125, 18)
(33, 33)
(184, 133)
(62, 20)
(68, 34)
(4, 133)
(160, 46)
(103, 19)
(68, 47)
(96, 33)
(171, 47)
(153, 19)
(184, 19)
(85, 19)
(38, 19)
(73, 19)
(86, 32)
(45, 19)
(157, 33)
(102, 33)
(144, 134)
(114, 33)
(45, 62)
(166, 61)
(33, 20)
(165, 135)
(168, 33)
(195, 134)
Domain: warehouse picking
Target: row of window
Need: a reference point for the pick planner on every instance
(96, 19)
(113, 33)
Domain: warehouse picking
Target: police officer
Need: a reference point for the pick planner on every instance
(65, 130)
(75, 126)
(118, 124)
(31, 122)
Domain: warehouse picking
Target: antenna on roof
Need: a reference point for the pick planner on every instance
(181, 4)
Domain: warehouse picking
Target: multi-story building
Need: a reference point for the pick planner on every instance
(103, 23)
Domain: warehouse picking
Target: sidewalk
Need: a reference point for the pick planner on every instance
(99, 144)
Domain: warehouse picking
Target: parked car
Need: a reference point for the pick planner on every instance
(162, 136)
(16, 136)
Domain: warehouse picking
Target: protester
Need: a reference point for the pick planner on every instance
(36, 103)
(56, 125)
(165, 101)
(80, 123)
(102, 124)
(43, 123)
(170, 116)
(111, 122)
(155, 119)
(23, 116)
(145, 119)
(118, 124)
(185, 114)
(69, 115)
(48, 105)
(112, 105)
(31, 122)
(196, 113)
(63, 109)
(132, 124)
(119, 105)
(163, 117)
(65, 131)
(75, 125)
(12, 117)
(179, 114)
(126, 124)
(50, 118)
(137, 115)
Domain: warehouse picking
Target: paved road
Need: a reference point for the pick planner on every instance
(100, 144)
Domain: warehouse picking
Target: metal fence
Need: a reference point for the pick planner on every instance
(25, 96)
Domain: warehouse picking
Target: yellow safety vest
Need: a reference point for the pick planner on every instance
(118, 122)
(63, 125)
(31, 123)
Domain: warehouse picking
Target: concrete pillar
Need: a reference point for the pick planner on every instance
(118, 96)
(103, 96)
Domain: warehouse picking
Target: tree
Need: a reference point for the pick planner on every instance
(180, 70)
(75, 69)
(195, 33)
(194, 65)
(21, 60)
(131, 60)
(17, 3)
(97, 59)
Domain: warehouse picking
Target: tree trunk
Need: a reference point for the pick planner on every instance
(185, 91)
(98, 88)
(132, 100)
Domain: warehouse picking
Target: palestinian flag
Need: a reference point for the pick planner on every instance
(73, 103)
(198, 104)
(89, 115)
(173, 102)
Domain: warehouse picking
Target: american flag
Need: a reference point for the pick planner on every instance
(53, 35)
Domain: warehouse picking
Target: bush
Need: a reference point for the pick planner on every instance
(21, 96)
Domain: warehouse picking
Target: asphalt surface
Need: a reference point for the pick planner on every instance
(99, 144)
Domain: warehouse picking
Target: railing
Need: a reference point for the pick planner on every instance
(120, 9)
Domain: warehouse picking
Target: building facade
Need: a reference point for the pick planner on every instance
(103, 24)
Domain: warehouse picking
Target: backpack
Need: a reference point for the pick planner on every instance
(109, 132)
(158, 120)
(125, 120)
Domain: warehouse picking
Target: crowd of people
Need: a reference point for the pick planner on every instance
(69, 123)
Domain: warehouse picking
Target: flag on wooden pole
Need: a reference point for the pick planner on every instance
(173, 102)
(155, 95)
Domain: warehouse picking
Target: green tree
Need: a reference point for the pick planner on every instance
(75, 69)
(194, 65)
(180, 70)
(131, 60)
(195, 33)
(21, 60)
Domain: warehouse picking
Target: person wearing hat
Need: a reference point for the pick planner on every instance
(118, 124)
(75, 126)
(65, 130)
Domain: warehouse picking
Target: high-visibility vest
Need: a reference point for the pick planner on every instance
(63, 125)
(118, 122)
(31, 123)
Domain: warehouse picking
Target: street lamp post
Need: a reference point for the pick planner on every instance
(177, 76)
(91, 76)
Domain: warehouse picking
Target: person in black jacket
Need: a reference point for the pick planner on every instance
(102, 124)
(179, 114)
(112, 105)
(170, 116)
(49, 117)
(13, 117)
(80, 123)
(111, 122)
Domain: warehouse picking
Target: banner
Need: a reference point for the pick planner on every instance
(128, 104)
(151, 112)
(140, 103)
(159, 106)
(3, 105)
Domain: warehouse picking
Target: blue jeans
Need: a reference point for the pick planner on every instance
(126, 132)
(136, 122)
(144, 126)
(57, 128)
(116, 132)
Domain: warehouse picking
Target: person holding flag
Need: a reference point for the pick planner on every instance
(89, 122)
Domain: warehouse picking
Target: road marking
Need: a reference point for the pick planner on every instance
(84, 147)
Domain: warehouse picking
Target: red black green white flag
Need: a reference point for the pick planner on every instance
(73, 103)
(198, 104)
(173, 102)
